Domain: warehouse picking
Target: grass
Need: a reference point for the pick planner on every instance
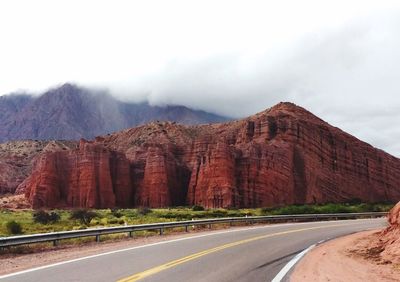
(107, 217)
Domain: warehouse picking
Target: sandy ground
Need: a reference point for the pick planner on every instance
(17, 262)
(350, 258)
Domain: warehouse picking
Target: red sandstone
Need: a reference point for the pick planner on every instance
(284, 155)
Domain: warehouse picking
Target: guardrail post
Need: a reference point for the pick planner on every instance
(97, 238)
(161, 231)
(56, 242)
(231, 223)
(209, 226)
(186, 228)
(130, 234)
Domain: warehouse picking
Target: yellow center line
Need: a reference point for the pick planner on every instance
(173, 263)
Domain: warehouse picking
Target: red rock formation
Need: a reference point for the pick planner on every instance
(385, 245)
(90, 176)
(18, 157)
(284, 155)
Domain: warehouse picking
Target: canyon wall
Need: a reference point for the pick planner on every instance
(284, 155)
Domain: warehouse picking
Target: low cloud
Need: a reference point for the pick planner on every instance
(348, 76)
(347, 72)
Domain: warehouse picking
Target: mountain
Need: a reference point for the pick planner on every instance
(71, 112)
(283, 155)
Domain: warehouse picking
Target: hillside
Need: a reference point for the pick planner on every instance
(283, 155)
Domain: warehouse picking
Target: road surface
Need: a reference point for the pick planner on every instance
(247, 254)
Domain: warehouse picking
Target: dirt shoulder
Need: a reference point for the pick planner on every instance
(351, 258)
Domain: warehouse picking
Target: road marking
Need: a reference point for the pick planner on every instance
(293, 261)
(155, 244)
(290, 264)
(174, 263)
(165, 242)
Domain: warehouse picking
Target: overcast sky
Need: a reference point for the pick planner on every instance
(339, 59)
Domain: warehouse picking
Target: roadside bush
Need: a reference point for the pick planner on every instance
(94, 222)
(44, 217)
(267, 210)
(176, 215)
(197, 208)
(218, 213)
(79, 227)
(337, 208)
(83, 215)
(13, 227)
(295, 209)
(116, 213)
(113, 221)
(237, 213)
(143, 210)
(104, 221)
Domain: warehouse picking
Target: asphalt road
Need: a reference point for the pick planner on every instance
(247, 254)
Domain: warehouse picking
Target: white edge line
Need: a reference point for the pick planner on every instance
(291, 263)
(155, 244)
(136, 247)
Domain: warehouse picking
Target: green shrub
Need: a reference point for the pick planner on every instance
(83, 215)
(116, 212)
(13, 227)
(337, 208)
(94, 222)
(218, 213)
(237, 213)
(44, 217)
(54, 217)
(144, 210)
(113, 221)
(266, 210)
(197, 208)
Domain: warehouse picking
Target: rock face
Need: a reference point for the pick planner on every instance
(386, 245)
(70, 112)
(18, 157)
(89, 176)
(284, 155)
(394, 217)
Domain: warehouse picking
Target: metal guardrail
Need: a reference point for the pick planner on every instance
(55, 237)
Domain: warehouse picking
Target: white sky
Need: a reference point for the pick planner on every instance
(339, 59)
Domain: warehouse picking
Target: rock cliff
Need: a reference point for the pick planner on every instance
(18, 157)
(284, 155)
(384, 246)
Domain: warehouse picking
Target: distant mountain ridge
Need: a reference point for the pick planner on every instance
(70, 112)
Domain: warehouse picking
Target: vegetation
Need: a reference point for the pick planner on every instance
(328, 208)
(13, 227)
(144, 210)
(83, 215)
(30, 222)
(44, 217)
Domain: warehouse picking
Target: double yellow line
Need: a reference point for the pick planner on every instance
(174, 263)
